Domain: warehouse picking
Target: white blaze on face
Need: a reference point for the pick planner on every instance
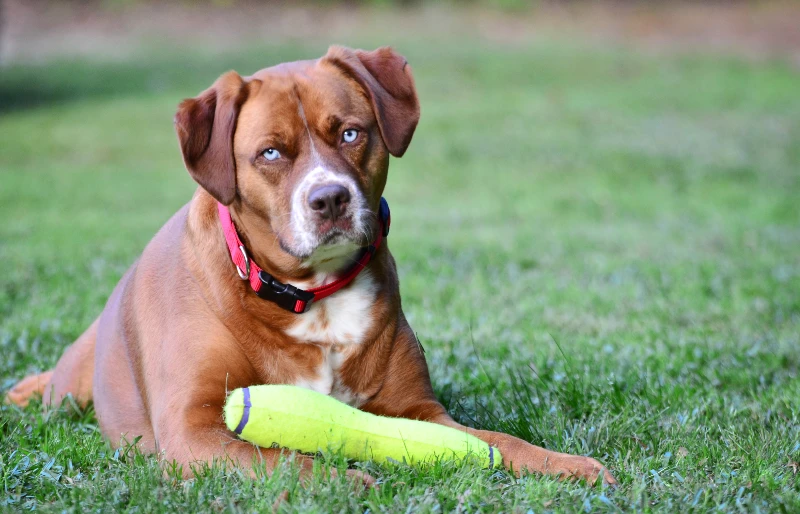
(303, 222)
(339, 322)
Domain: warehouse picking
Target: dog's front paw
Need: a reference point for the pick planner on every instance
(562, 465)
(578, 467)
(359, 479)
(366, 480)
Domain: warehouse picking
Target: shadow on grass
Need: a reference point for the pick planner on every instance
(28, 86)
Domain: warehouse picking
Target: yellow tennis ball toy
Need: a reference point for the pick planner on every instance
(306, 421)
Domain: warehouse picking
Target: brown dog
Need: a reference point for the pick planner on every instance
(299, 154)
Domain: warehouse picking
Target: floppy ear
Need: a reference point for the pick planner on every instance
(386, 77)
(205, 126)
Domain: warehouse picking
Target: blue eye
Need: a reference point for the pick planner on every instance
(349, 135)
(271, 154)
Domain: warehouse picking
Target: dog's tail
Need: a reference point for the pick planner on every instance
(28, 387)
(73, 375)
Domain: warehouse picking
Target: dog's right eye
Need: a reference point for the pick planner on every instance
(271, 154)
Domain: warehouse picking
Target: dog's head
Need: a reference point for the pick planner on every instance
(301, 150)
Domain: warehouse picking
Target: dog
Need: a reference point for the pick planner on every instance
(276, 272)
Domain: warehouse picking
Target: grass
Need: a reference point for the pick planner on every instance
(598, 250)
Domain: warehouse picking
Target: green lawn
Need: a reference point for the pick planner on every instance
(599, 250)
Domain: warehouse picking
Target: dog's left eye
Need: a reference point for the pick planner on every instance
(271, 154)
(349, 135)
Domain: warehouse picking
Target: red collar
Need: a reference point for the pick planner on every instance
(288, 296)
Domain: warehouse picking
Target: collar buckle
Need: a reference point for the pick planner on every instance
(285, 296)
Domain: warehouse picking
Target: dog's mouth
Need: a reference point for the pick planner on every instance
(332, 238)
(329, 240)
(342, 233)
(328, 230)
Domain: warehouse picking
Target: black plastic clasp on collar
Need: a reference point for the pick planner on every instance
(286, 296)
(385, 216)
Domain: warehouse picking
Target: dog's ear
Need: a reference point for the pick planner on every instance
(205, 126)
(387, 79)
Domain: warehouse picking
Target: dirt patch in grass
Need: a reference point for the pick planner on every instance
(36, 30)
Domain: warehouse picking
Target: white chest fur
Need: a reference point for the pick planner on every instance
(338, 323)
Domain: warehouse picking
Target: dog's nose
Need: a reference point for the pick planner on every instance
(329, 201)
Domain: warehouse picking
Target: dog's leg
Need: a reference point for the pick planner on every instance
(72, 375)
(407, 393)
(518, 455)
(521, 456)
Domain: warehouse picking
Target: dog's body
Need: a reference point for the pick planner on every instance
(299, 153)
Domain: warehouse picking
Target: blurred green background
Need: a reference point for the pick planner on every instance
(597, 228)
